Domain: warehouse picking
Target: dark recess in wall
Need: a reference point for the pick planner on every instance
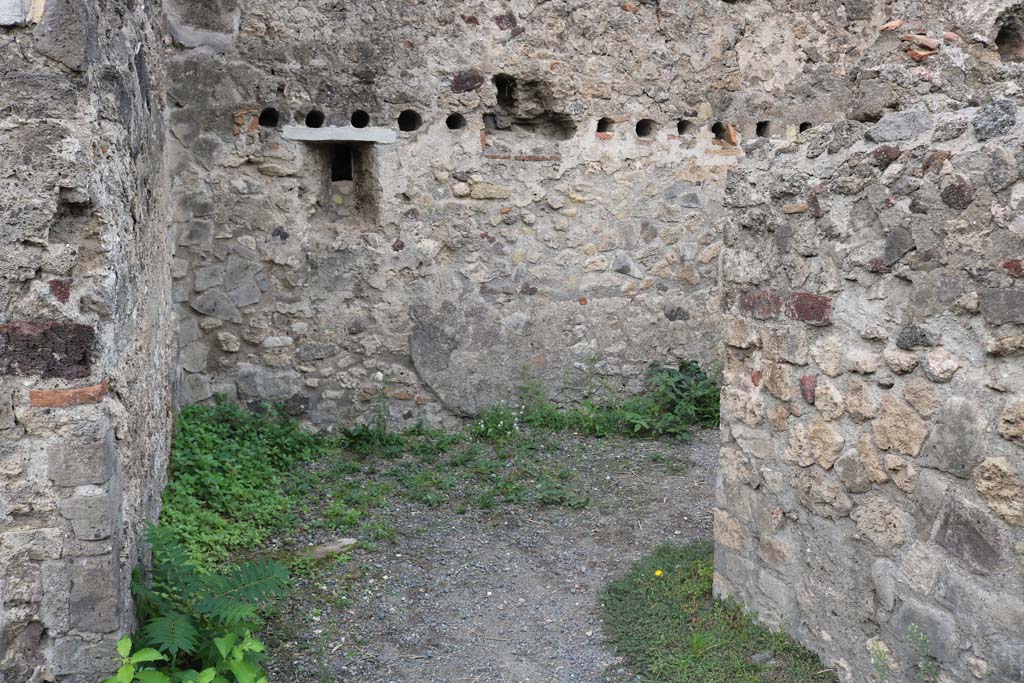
(341, 163)
(527, 108)
(315, 118)
(1010, 41)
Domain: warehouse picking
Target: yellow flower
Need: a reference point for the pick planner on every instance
(658, 572)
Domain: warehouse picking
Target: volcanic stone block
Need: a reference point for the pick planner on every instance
(936, 624)
(66, 33)
(13, 12)
(953, 444)
(994, 119)
(812, 309)
(94, 594)
(760, 304)
(464, 81)
(77, 464)
(75, 655)
(48, 349)
(1001, 306)
(969, 534)
(90, 515)
(902, 125)
(217, 304)
(209, 23)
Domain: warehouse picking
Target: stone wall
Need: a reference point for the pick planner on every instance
(549, 196)
(872, 413)
(527, 228)
(84, 360)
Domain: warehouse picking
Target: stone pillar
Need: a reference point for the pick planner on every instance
(84, 282)
(870, 498)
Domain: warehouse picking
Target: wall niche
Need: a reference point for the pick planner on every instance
(524, 114)
(351, 183)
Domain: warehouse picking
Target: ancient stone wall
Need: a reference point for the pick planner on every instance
(870, 498)
(84, 345)
(525, 190)
(548, 209)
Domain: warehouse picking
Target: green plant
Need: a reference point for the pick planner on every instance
(228, 470)
(662, 619)
(129, 671)
(201, 621)
(927, 669)
(375, 437)
(676, 400)
(497, 424)
(880, 659)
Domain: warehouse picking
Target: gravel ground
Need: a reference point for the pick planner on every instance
(504, 596)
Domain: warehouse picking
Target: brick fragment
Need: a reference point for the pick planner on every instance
(808, 385)
(464, 81)
(923, 41)
(61, 290)
(760, 304)
(920, 55)
(1014, 267)
(66, 398)
(813, 309)
(505, 22)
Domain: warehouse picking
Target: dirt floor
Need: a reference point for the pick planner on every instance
(509, 595)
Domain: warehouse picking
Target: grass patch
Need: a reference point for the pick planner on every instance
(239, 476)
(676, 400)
(662, 619)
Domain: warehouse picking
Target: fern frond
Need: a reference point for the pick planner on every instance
(173, 571)
(172, 633)
(227, 611)
(148, 603)
(248, 582)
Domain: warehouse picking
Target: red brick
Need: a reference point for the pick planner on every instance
(538, 157)
(65, 398)
(61, 290)
(401, 395)
(505, 22)
(1015, 267)
(464, 81)
(920, 55)
(808, 383)
(923, 41)
(933, 161)
(761, 304)
(813, 309)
